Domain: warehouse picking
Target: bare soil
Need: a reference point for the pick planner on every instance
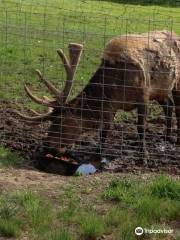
(121, 148)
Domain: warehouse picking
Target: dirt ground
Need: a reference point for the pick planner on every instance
(49, 186)
(121, 148)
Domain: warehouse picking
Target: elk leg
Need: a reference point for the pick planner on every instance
(105, 126)
(97, 156)
(167, 106)
(176, 96)
(103, 134)
(142, 113)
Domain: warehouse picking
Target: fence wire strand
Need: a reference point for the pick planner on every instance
(30, 36)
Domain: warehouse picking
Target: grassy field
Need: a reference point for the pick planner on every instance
(31, 33)
(88, 208)
(40, 206)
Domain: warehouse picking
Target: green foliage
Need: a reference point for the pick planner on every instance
(178, 237)
(31, 34)
(38, 211)
(62, 234)
(8, 208)
(91, 225)
(9, 221)
(127, 203)
(124, 116)
(166, 3)
(165, 187)
(120, 190)
(67, 213)
(70, 204)
(152, 202)
(118, 216)
(9, 227)
(29, 208)
(123, 221)
(155, 210)
(8, 158)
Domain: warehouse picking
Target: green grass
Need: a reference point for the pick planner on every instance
(9, 228)
(165, 187)
(60, 235)
(38, 211)
(149, 203)
(28, 208)
(152, 2)
(120, 191)
(31, 33)
(9, 158)
(126, 203)
(70, 201)
(122, 222)
(91, 225)
(9, 222)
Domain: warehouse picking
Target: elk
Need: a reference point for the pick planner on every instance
(134, 70)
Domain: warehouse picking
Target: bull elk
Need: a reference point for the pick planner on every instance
(134, 70)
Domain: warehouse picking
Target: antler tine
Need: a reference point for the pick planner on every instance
(31, 110)
(65, 61)
(48, 99)
(39, 118)
(70, 66)
(75, 51)
(37, 99)
(50, 110)
(34, 112)
(49, 85)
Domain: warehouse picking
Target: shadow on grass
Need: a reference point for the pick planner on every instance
(163, 3)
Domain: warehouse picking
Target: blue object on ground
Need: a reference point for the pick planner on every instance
(86, 169)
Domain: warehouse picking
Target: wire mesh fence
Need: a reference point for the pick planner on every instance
(123, 105)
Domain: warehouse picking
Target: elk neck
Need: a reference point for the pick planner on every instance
(95, 101)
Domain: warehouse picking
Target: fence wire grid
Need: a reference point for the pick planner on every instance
(104, 115)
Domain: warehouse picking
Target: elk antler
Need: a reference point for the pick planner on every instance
(49, 85)
(50, 109)
(38, 100)
(39, 116)
(70, 66)
(75, 51)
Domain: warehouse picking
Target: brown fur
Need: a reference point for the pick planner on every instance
(134, 70)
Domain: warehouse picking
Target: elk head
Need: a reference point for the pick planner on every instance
(63, 122)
